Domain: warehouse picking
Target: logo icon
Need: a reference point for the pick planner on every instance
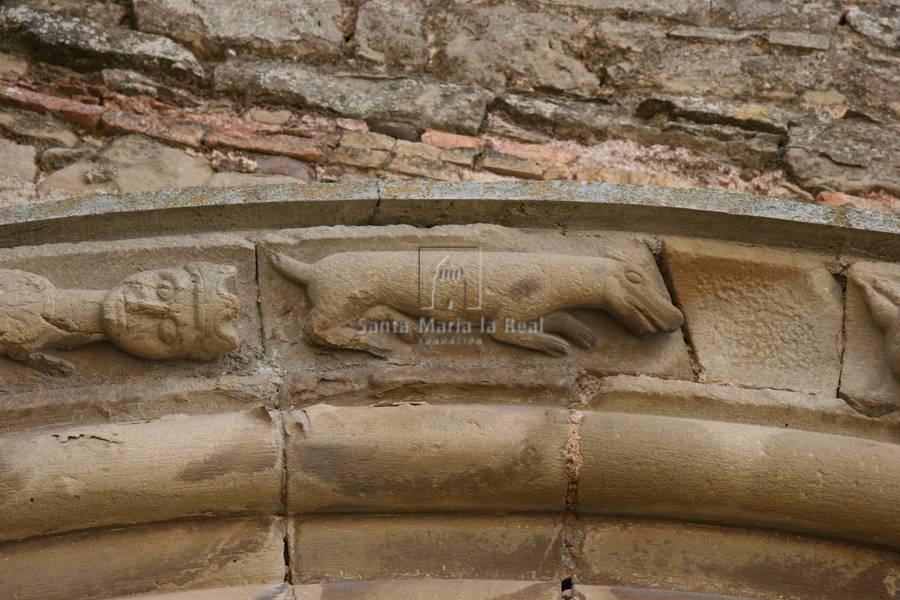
(450, 278)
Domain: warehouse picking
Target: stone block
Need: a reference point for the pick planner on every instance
(730, 561)
(414, 457)
(119, 562)
(758, 317)
(132, 400)
(82, 477)
(513, 166)
(597, 592)
(17, 161)
(274, 27)
(100, 330)
(285, 145)
(419, 102)
(39, 129)
(392, 34)
(364, 149)
(846, 155)
(870, 378)
(273, 591)
(316, 320)
(477, 547)
(774, 408)
(82, 44)
(448, 141)
(432, 589)
(421, 160)
(743, 475)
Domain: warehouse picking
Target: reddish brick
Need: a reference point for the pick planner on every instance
(881, 202)
(156, 126)
(283, 145)
(85, 115)
(443, 139)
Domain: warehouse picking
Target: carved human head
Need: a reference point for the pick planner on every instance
(183, 312)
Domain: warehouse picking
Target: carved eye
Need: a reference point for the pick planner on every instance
(634, 276)
(165, 290)
(168, 331)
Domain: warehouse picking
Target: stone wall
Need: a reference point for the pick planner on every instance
(793, 99)
(292, 413)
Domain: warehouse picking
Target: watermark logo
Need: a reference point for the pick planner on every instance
(450, 278)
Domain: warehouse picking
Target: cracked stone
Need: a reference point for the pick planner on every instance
(81, 44)
(510, 165)
(880, 24)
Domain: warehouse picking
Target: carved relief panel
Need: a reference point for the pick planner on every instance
(467, 295)
(158, 308)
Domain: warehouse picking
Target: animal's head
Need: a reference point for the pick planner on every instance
(634, 297)
(184, 312)
(883, 298)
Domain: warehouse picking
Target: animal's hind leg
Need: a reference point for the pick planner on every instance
(565, 323)
(535, 340)
(323, 330)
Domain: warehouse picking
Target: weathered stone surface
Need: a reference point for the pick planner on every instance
(107, 13)
(364, 149)
(135, 164)
(731, 561)
(288, 167)
(821, 16)
(161, 127)
(230, 179)
(82, 44)
(393, 34)
(279, 27)
(41, 130)
(491, 547)
(595, 592)
(131, 401)
(504, 46)
(421, 458)
(450, 141)
(433, 589)
(879, 23)
(510, 165)
(12, 65)
(736, 474)
(278, 144)
(746, 115)
(774, 408)
(422, 103)
(316, 308)
(134, 333)
(845, 155)
(18, 160)
(870, 379)
(99, 475)
(274, 591)
(174, 556)
(762, 318)
(421, 160)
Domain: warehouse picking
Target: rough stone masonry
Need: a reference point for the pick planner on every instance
(793, 99)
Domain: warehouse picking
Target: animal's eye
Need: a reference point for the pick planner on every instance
(168, 331)
(634, 276)
(165, 290)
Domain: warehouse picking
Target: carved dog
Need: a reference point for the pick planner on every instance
(883, 298)
(346, 286)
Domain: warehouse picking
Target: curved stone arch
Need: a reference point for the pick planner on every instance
(518, 466)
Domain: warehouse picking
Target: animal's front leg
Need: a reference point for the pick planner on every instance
(535, 340)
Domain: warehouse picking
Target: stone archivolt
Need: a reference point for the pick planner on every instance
(635, 442)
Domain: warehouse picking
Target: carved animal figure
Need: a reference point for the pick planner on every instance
(347, 286)
(184, 312)
(883, 298)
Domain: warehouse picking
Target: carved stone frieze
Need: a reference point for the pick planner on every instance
(469, 294)
(182, 312)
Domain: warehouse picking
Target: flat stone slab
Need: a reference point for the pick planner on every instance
(759, 317)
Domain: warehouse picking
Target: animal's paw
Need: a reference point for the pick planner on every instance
(552, 345)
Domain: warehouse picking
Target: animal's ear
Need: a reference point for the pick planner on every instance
(883, 298)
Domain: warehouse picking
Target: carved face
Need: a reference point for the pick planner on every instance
(185, 312)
